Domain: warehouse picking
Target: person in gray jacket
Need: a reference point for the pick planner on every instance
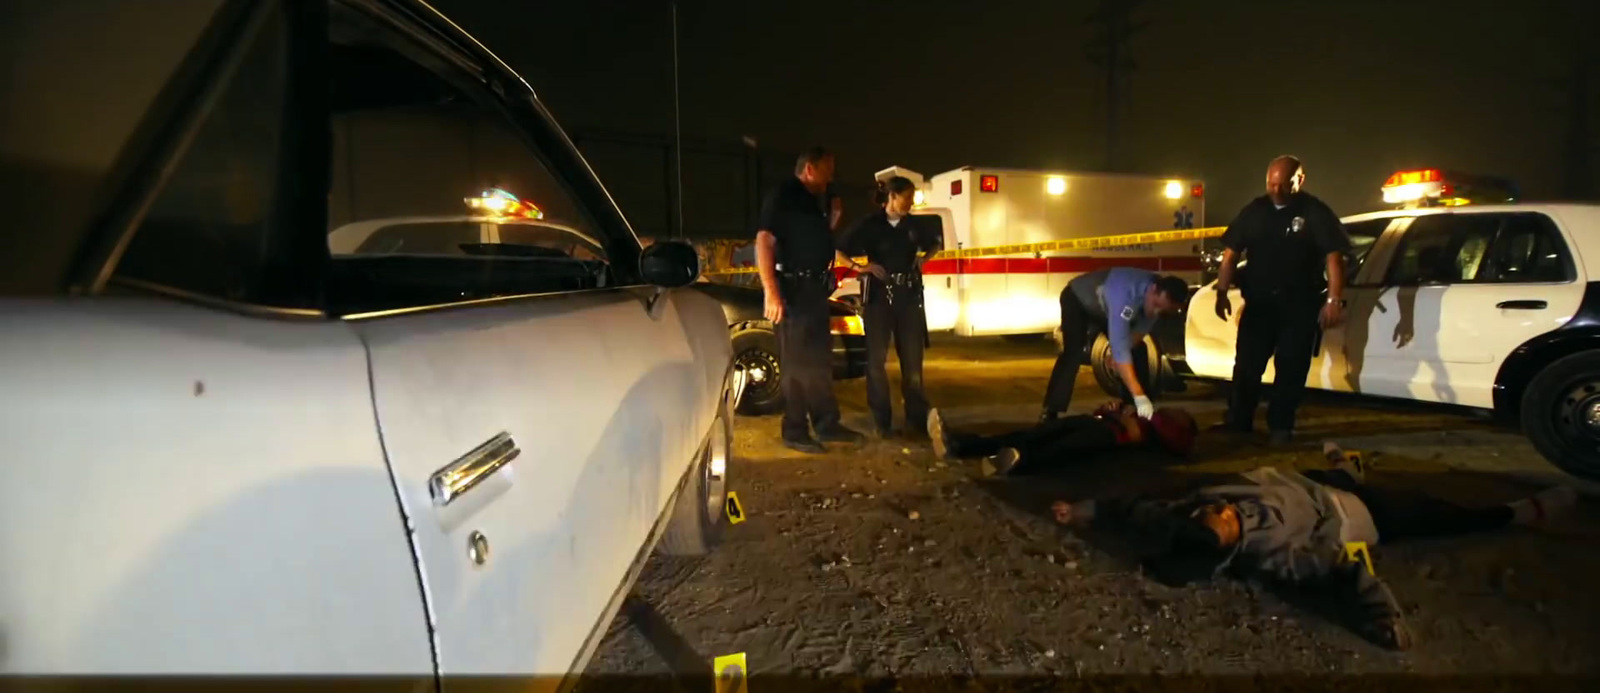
(1296, 528)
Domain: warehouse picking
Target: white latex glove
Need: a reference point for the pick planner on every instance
(1146, 409)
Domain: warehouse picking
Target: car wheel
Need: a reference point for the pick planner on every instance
(1146, 361)
(1561, 414)
(755, 350)
(698, 516)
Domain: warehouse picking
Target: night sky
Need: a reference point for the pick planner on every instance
(1357, 88)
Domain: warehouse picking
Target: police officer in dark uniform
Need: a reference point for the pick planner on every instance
(795, 254)
(891, 297)
(1290, 239)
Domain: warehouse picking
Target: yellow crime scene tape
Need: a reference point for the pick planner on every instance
(1095, 243)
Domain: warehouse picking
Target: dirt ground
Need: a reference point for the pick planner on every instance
(885, 566)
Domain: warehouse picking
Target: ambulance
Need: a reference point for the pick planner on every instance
(1014, 286)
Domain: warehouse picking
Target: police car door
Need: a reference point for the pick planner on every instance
(1338, 360)
(1463, 290)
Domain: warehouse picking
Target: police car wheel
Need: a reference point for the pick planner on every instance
(699, 514)
(1146, 361)
(756, 350)
(1561, 414)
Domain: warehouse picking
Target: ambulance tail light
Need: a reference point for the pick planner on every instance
(955, 188)
(1198, 190)
(989, 184)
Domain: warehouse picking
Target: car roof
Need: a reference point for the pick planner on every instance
(1545, 207)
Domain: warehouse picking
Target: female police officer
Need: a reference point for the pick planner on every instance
(891, 284)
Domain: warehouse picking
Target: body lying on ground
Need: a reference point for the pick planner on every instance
(1297, 529)
(1069, 440)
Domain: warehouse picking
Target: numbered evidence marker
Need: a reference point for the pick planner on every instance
(1358, 550)
(731, 674)
(735, 511)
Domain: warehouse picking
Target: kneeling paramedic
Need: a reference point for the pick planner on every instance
(1297, 529)
(1126, 303)
(891, 297)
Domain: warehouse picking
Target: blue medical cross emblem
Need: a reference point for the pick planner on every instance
(1183, 218)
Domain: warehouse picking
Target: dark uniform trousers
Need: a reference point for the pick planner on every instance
(1281, 327)
(805, 355)
(898, 315)
(1076, 326)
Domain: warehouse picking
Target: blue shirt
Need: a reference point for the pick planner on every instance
(1117, 294)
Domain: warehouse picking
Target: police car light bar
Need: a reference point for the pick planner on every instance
(1411, 186)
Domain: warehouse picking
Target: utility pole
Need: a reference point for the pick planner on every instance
(677, 132)
(1109, 50)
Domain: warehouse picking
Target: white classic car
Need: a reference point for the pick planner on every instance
(230, 451)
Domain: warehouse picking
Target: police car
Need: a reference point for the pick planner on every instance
(1462, 296)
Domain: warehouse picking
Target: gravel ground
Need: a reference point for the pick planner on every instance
(884, 567)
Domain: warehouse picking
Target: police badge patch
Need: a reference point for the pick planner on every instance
(1127, 313)
(1296, 224)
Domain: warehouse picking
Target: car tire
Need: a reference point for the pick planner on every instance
(1556, 414)
(1146, 361)
(699, 515)
(756, 350)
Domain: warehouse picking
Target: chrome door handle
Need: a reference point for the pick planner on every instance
(460, 476)
(1521, 305)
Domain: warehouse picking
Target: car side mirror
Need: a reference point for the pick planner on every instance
(669, 264)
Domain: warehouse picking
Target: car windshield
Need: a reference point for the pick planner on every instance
(464, 237)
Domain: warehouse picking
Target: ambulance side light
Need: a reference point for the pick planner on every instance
(1174, 190)
(1055, 185)
(1197, 190)
(955, 188)
(918, 198)
(989, 184)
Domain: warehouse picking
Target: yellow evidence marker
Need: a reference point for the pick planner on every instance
(732, 676)
(734, 509)
(1358, 550)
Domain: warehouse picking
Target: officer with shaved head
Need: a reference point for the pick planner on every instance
(1291, 240)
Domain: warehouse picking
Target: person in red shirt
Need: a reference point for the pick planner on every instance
(1067, 440)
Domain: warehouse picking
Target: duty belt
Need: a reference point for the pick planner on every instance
(896, 282)
(805, 274)
(908, 280)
